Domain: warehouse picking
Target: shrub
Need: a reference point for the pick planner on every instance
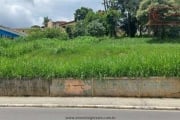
(174, 32)
(80, 29)
(35, 34)
(70, 30)
(47, 33)
(55, 33)
(95, 28)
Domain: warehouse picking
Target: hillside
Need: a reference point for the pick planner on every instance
(87, 57)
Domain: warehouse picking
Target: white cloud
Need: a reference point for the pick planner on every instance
(25, 13)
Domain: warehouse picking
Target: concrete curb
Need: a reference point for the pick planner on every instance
(92, 102)
(91, 106)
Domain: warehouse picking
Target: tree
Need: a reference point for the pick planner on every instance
(105, 4)
(124, 6)
(145, 5)
(99, 16)
(36, 27)
(142, 14)
(81, 13)
(91, 16)
(69, 31)
(128, 9)
(80, 29)
(112, 19)
(45, 22)
(144, 10)
(177, 2)
(96, 28)
(129, 25)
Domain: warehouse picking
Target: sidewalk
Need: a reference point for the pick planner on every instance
(92, 102)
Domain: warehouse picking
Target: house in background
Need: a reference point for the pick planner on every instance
(56, 24)
(8, 33)
(68, 24)
(59, 24)
(24, 31)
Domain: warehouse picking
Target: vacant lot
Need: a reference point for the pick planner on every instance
(88, 57)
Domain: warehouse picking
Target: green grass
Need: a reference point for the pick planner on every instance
(87, 57)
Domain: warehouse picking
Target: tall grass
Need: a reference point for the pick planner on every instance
(87, 57)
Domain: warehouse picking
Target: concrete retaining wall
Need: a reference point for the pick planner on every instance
(33, 87)
(116, 87)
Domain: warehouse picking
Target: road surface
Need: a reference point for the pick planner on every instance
(15, 113)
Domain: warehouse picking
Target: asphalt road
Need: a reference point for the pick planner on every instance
(84, 114)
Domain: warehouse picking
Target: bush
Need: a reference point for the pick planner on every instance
(95, 28)
(55, 33)
(70, 30)
(51, 33)
(174, 32)
(80, 29)
(35, 34)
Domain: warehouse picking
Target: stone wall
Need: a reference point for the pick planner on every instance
(115, 87)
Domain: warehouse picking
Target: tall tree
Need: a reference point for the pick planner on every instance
(128, 9)
(130, 6)
(81, 13)
(145, 5)
(143, 13)
(111, 19)
(177, 2)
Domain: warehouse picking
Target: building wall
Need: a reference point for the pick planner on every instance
(50, 24)
(22, 30)
(56, 25)
(68, 24)
(59, 24)
(7, 34)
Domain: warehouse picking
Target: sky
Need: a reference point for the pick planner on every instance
(25, 13)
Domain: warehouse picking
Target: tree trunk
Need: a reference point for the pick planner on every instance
(162, 32)
(140, 30)
(129, 25)
(156, 31)
(105, 5)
